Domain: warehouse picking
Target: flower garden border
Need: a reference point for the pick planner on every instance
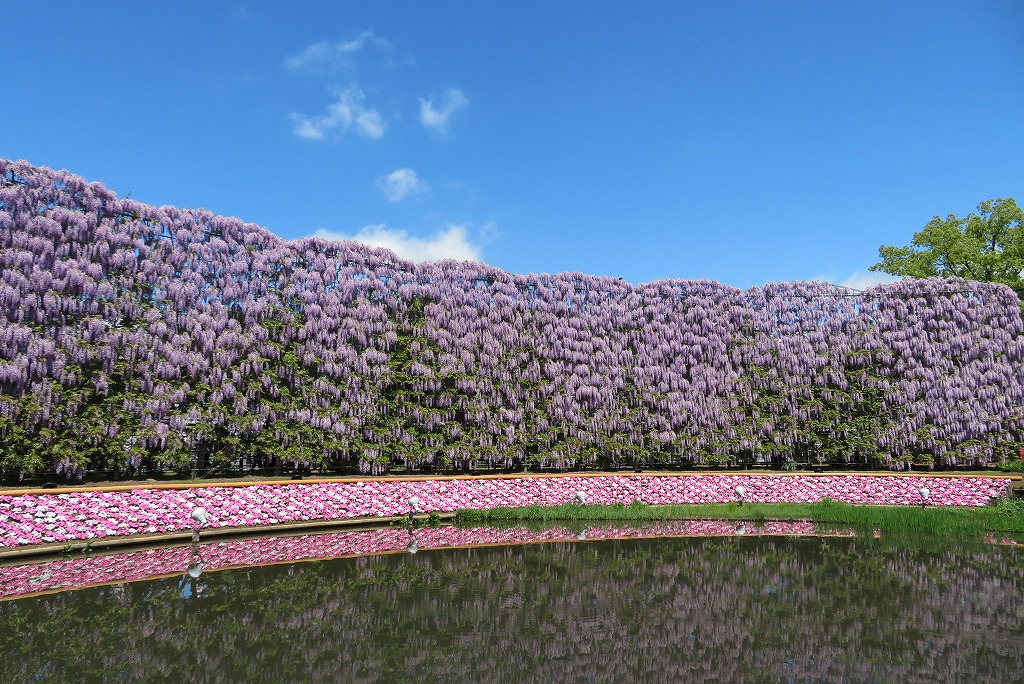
(41, 521)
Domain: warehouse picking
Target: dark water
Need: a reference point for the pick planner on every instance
(659, 610)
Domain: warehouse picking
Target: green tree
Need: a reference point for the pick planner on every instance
(987, 246)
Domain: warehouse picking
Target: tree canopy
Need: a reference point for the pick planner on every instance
(987, 246)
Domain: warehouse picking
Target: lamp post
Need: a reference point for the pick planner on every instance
(926, 495)
(188, 587)
(415, 506)
(200, 519)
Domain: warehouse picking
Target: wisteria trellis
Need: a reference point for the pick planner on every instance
(133, 335)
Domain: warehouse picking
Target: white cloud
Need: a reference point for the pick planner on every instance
(400, 184)
(328, 54)
(861, 280)
(450, 243)
(346, 112)
(437, 118)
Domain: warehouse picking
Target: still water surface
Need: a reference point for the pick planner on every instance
(734, 609)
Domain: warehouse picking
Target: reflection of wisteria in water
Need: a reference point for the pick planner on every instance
(83, 571)
(671, 610)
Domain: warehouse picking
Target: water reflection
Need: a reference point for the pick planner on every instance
(667, 610)
(87, 570)
(190, 587)
(414, 544)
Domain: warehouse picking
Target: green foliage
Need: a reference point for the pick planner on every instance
(987, 246)
(1005, 517)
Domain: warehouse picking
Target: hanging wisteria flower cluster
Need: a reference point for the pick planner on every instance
(134, 337)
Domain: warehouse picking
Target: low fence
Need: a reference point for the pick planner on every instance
(31, 517)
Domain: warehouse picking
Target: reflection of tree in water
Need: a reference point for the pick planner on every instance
(667, 610)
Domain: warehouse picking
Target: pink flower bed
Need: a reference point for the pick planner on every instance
(73, 516)
(84, 571)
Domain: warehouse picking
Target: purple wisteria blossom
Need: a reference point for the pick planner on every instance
(135, 337)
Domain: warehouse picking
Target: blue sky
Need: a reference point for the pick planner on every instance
(741, 142)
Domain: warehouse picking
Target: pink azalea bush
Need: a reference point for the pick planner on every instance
(75, 515)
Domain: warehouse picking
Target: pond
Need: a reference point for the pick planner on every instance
(579, 608)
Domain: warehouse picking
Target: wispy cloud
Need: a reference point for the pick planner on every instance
(326, 54)
(437, 118)
(451, 243)
(400, 184)
(860, 280)
(346, 112)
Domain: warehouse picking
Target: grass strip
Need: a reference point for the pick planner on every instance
(1006, 517)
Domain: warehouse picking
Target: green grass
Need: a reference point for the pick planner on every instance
(1007, 517)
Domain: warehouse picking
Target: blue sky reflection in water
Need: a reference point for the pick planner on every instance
(663, 610)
